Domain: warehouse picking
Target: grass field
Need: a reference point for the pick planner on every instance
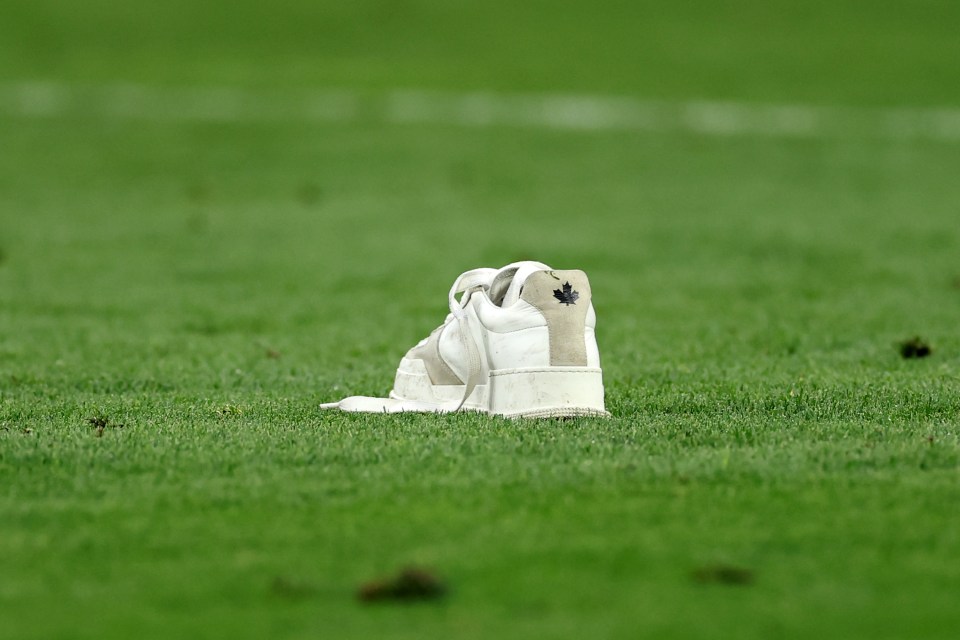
(196, 286)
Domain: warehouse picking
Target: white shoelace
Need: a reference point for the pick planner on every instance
(467, 283)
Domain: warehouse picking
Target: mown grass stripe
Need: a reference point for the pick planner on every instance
(480, 109)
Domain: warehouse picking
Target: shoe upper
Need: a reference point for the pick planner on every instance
(522, 316)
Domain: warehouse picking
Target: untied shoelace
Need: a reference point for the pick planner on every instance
(467, 283)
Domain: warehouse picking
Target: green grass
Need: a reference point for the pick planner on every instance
(206, 286)
(858, 51)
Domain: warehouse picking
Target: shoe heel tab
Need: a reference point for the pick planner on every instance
(558, 286)
(563, 297)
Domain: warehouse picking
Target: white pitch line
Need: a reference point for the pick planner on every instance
(482, 109)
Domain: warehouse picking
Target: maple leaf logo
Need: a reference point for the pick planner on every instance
(568, 296)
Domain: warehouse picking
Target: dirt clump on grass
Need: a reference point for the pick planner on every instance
(915, 348)
(411, 584)
(723, 574)
(101, 423)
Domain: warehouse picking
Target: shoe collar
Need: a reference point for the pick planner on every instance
(508, 282)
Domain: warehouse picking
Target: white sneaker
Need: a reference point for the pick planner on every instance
(518, 343)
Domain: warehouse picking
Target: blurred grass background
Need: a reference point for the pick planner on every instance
(887, 52)
(206, 283)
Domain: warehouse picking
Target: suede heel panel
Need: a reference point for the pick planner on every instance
(563, 298)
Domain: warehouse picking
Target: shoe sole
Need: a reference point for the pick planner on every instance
(551, 392)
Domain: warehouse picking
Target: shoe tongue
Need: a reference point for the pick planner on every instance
(508, 282)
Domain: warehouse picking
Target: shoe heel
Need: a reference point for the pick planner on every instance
(550, 392)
